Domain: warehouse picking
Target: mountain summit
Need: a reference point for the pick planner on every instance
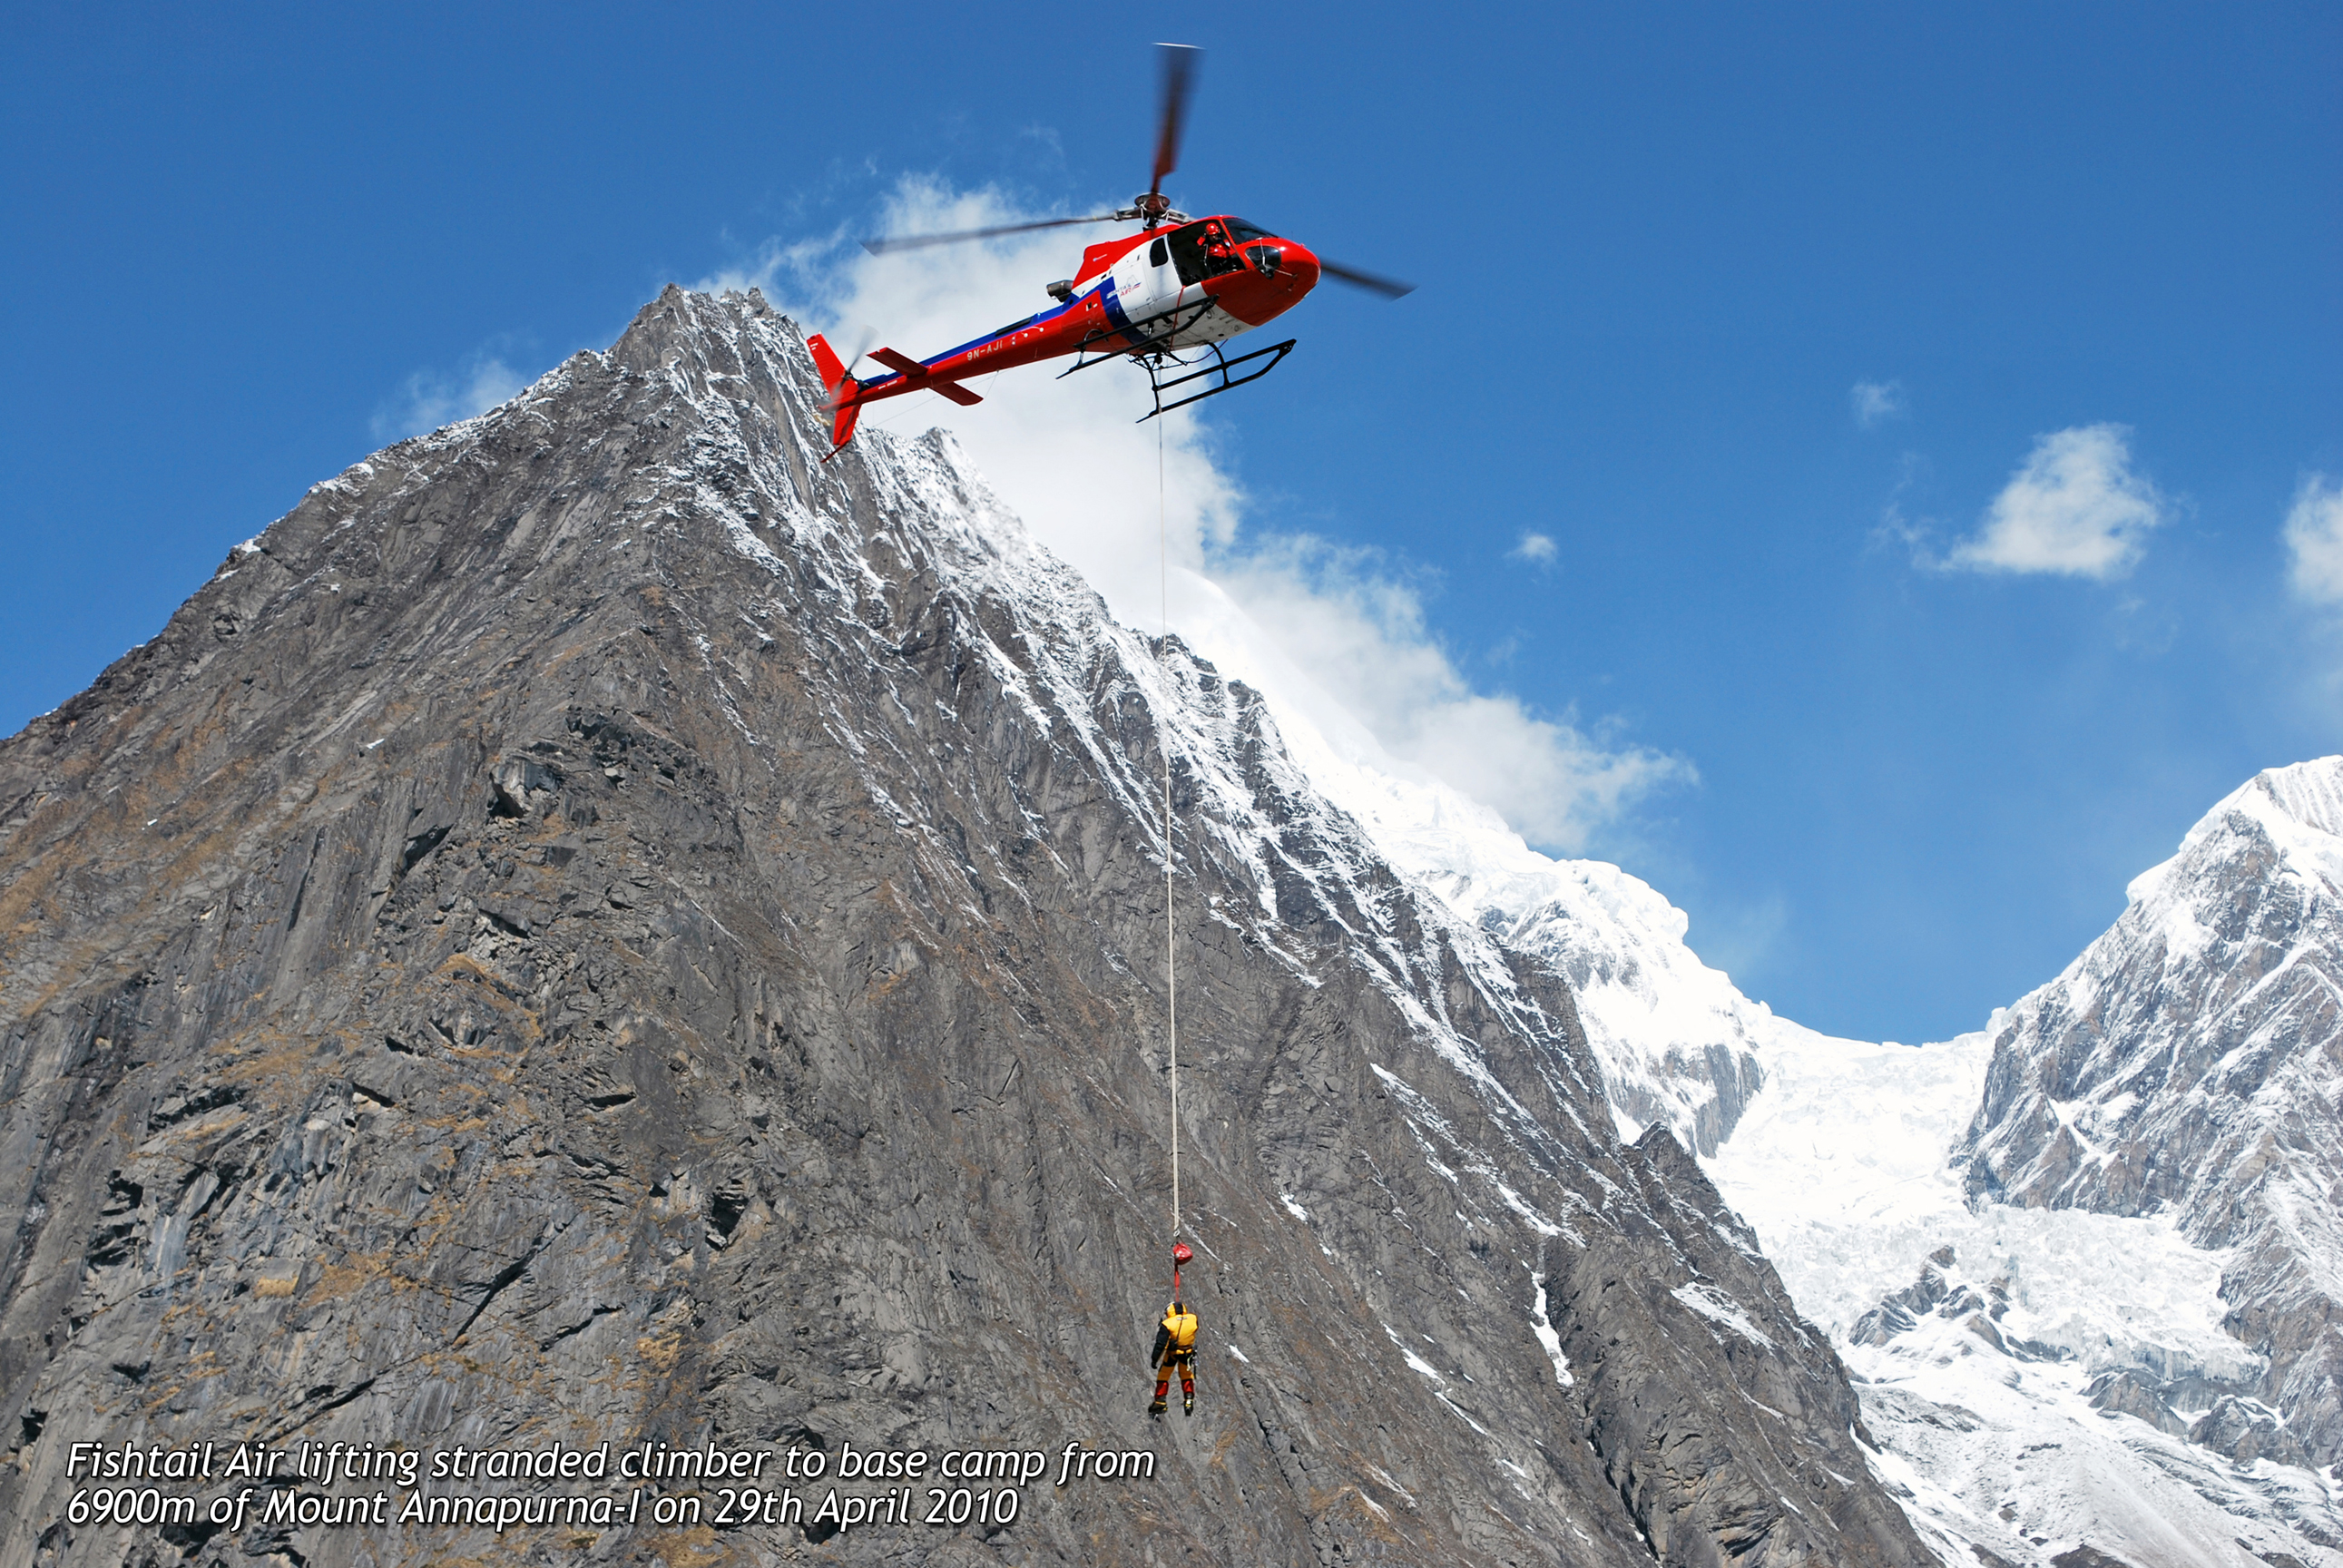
(2191, 1063)
(599, 928)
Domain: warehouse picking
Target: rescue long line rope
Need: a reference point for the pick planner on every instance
(1170, 969)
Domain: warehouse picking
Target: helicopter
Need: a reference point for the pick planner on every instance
(1166, 298)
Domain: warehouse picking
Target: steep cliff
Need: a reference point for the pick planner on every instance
(598, 926)
(1679, 1046)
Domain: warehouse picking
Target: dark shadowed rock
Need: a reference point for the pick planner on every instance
(2088, 1556)
(2130, 1392)
(2244, 1432)
(596, 926)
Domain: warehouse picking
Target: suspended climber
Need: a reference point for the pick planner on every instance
(1175, 1344)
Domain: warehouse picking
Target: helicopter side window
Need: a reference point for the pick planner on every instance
(1202, 250)
(1155, 253)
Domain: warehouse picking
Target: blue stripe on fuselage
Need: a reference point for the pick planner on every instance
(1113, 303)
(1025, 326)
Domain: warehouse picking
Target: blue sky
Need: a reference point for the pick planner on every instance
(1939, 667)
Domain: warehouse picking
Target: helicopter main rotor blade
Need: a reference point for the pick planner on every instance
(1389, 287)
(1178, 77)
(921, 241)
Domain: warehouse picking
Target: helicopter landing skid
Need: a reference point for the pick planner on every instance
(1221, 366)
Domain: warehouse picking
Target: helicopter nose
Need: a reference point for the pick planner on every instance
(1298, 267)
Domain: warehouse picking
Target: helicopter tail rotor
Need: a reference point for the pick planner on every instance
(827, 362)
(845, 391)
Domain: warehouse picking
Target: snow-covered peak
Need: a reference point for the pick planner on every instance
(2224, 972)
(2300, 808)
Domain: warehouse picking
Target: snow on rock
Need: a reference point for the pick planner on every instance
(1679, 1043)
(2069, 1250)
(1988, 1335)
(2189, 1062)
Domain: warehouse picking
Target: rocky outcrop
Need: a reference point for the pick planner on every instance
(2242, 1430)
(598, 926)
(2191, 1060)
(2128, 1391)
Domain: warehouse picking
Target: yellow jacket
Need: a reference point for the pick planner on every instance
(1175, 1336)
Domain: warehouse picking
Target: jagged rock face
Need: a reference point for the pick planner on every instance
(1674, 1038)
(2191, 1059)
(598, 926)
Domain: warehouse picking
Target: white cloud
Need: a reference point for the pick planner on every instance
(1873, 401)
(1537, 548)
(1341, 646)
(2074, 507)
(1329, 635)
(2314, 541)
(430, 399)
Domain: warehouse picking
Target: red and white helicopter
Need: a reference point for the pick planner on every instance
(1166, 299)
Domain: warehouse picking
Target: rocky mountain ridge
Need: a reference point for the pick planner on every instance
(2190, 1061)
(1679, 1045)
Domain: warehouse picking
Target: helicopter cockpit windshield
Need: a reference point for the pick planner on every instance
(1212, 247)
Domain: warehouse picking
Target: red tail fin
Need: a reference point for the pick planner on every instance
(845, 392)
(825, 361)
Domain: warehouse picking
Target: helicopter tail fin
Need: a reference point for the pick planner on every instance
(841, 428)
(845, 402)
(825, 361)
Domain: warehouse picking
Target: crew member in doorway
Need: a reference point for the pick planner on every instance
(1175, 1345)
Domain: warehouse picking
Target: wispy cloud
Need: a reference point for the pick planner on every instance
(2074, 507)
(430, 399)
(1336, 638)
(2314, 541)
(1537, 550)
(1875, 401)
(1739, 939)
(1337, 641)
